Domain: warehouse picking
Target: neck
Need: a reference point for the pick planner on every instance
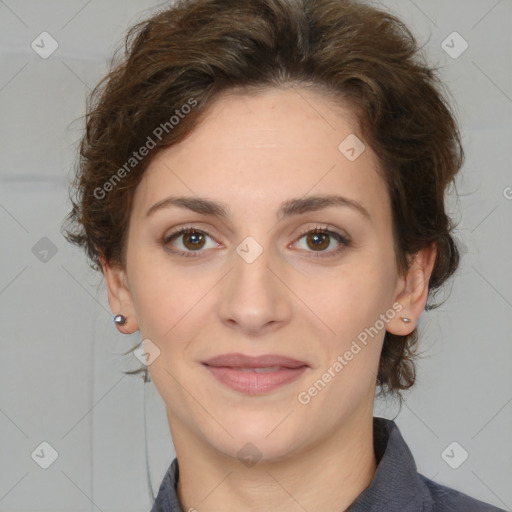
(315, 478)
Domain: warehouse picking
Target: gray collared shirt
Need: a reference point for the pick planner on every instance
(396, 486)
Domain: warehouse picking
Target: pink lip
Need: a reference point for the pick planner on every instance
(228, 370)
(243, 361)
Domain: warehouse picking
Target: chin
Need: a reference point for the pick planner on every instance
(271, 439)
(256, 451)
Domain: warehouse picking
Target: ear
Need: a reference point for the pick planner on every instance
(119, 296)
(412, 291)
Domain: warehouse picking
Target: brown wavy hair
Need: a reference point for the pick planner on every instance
(351, 52)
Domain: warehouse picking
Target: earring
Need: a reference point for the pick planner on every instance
(119, 319)
(405, 319)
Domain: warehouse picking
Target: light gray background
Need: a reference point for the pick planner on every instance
(60, 369)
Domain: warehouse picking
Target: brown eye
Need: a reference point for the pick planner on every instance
(318, 241)
(193, 240)
(188, 242)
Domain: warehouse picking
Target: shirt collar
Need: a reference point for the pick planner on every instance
(396, 484)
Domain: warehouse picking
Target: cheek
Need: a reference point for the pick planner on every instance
(157, 296)
(351, 355)
(172, 306)
(355, 298)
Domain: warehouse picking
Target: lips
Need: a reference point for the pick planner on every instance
(236, 360)
(255, 375)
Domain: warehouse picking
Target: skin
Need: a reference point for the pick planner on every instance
(252, 152)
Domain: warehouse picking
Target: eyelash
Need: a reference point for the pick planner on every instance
(344, 241)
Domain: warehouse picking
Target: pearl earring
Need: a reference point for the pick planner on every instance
(119, 319)
(405, 319)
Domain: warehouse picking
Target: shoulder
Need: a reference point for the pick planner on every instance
(398, 486)
(446, 499)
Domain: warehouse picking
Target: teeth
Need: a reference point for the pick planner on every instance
(258, 370)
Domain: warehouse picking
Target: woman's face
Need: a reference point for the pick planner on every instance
(253, 282)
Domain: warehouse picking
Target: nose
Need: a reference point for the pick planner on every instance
(254, 298)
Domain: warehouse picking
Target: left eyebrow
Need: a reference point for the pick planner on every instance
(288, 208)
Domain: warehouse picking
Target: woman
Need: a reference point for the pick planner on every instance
(262, 185)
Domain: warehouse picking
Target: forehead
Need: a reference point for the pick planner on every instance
(260, 149)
